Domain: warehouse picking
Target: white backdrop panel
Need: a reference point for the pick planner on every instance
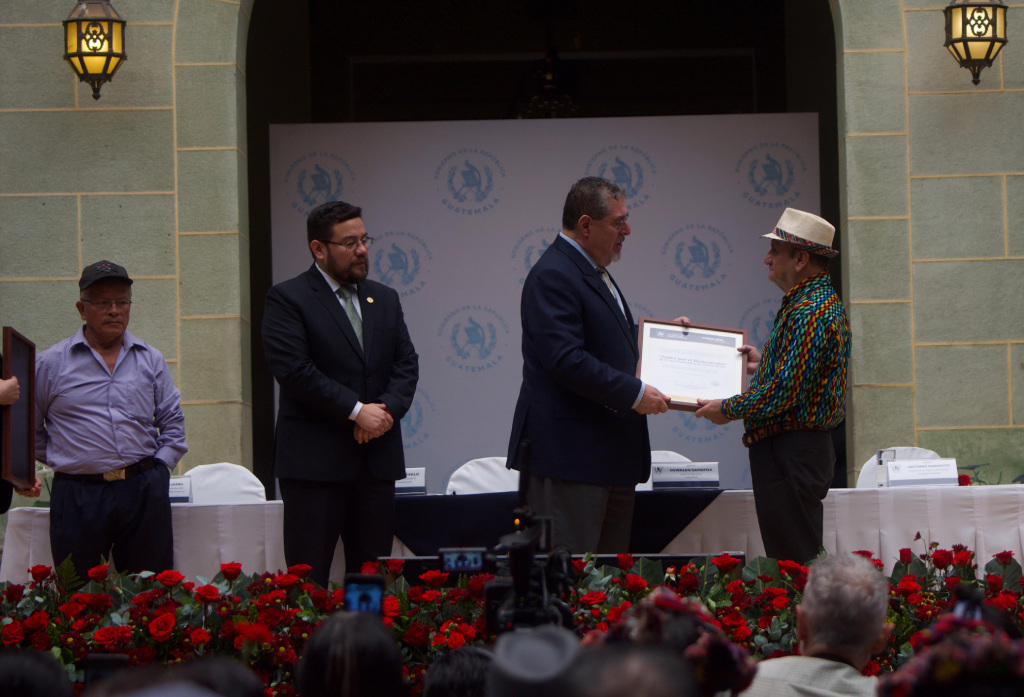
(461, 210)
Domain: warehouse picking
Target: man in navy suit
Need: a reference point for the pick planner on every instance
(338, 345)
(581, 408)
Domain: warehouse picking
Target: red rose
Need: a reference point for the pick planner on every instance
(742, 633)
(40, 572)
(415, 594)
(635, 583)
(12, 633)
(98, 573)
(199, 636)
(36, 621)
(395, 566)
(456, 640)
(688, 582)
(416, 635)
(467, 631)
(963, 557)
(255, 632)
(169, 578)
(725, 563)
(595, 612)
(614, 614)
(431, 596)
(1006, 601)
(942, 558)
(369, 567)
(477, 583)
(866, 553)
(286, 581)
(593, 598)
(601, 627)
(231, 570)
(733, 618)
(908, 584)
(434, 578)
(71, 610)
(392, 608)
(625, 562)
(995, 582)
(579, 565)
(764, 622)
(438, 640)
(790, 568)
(188, 586)
(906, 556)
(161, 627)
(300, 570)
(780, 602)
(963, 479)
(41, 641)
(952, 582)
(111, 636)
(1004, 558)
(207, 594)
(13, 593)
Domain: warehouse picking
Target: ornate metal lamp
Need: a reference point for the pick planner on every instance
(975, 32)
(94, 42)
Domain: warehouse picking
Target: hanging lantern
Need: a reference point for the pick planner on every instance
(975, 32)
(94, 42)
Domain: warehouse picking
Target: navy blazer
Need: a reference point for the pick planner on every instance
(579, 384)
(315, 356)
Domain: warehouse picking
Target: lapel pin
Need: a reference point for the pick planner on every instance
(369, 300)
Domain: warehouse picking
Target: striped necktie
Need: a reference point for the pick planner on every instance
(611, 287)
(346, 293)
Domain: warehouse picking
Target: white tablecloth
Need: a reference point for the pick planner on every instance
(987, 519)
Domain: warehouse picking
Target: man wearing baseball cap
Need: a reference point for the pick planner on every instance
(109, 423)
(797, 391)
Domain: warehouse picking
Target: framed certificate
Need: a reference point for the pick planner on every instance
(19, 419)
(691, 363)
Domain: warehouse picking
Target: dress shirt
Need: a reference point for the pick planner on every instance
(611, 287)
(90, 420)
(806, 676)
(359, 311)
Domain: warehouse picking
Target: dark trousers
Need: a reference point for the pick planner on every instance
(362, 513)
(127, 522)
(585, 517)
(791, 472)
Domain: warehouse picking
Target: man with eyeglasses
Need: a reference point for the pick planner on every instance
(339, 348)
(109, 423)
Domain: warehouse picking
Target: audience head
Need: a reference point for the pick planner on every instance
(32, 673)
(351, 654)
(630, 670)
(533, 662)
(220, 674)
(685, 628)
(460, 673)
(843, 609)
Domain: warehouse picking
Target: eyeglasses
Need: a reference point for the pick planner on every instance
(350, 244)
(105, 305)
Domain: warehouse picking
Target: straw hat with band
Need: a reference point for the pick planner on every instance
(805, 231)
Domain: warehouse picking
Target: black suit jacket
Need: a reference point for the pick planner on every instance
(579, 363)
(315, 356)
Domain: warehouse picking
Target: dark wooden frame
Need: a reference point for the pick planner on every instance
(19, 419)
(678, 404)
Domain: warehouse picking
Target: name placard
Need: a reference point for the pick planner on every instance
(941, 472)
(180, 489)
(415, 482)
(684, 475)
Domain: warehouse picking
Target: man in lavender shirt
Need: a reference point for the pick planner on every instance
(109, 422)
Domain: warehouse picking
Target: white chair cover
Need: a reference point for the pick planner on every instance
(660, 456)
(482, 476)
(223, 482)
(867, 479)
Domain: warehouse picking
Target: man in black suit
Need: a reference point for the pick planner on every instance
(338, 345)
(581, 408)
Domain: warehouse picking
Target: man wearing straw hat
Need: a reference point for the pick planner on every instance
(797, 391)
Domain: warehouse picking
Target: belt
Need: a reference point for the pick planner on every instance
(126, 472)
(754, 435)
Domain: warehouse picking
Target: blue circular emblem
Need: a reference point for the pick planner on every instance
(474, 338)
(629, 167)
(758, 320)
(398, 260)
(529, 247)
(470, 181)
(315, 178)
(416, 420)
(690, 429)
(771, 175)
(698, 257)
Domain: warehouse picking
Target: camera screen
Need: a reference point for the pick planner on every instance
(462, 560)
(364, 597)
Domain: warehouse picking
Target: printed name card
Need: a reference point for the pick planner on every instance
(180, 489)
(415, 482)
(684, 475)
(940, 472)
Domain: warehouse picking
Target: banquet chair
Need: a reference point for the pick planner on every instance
(223, 482)
(660, 456)
(482, 476)
(867, 479)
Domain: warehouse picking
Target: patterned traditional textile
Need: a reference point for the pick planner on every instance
(801, 380)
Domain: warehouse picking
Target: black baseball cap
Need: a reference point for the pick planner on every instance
(101, 271)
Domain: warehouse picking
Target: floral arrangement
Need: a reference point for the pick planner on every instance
(265, 619)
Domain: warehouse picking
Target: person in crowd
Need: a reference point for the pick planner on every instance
(580, 426)
(797, 392)
(685, 628)
(31, 673)
(351, 654)
(840, 624)
(10, 392)
(458, 673)
(220, 674)
(533, 662)
(109, 423)
(339, 348)
(631, 670)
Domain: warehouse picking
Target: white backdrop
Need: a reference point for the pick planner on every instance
(462, 209)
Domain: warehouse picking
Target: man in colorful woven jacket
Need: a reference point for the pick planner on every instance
(797, 391)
